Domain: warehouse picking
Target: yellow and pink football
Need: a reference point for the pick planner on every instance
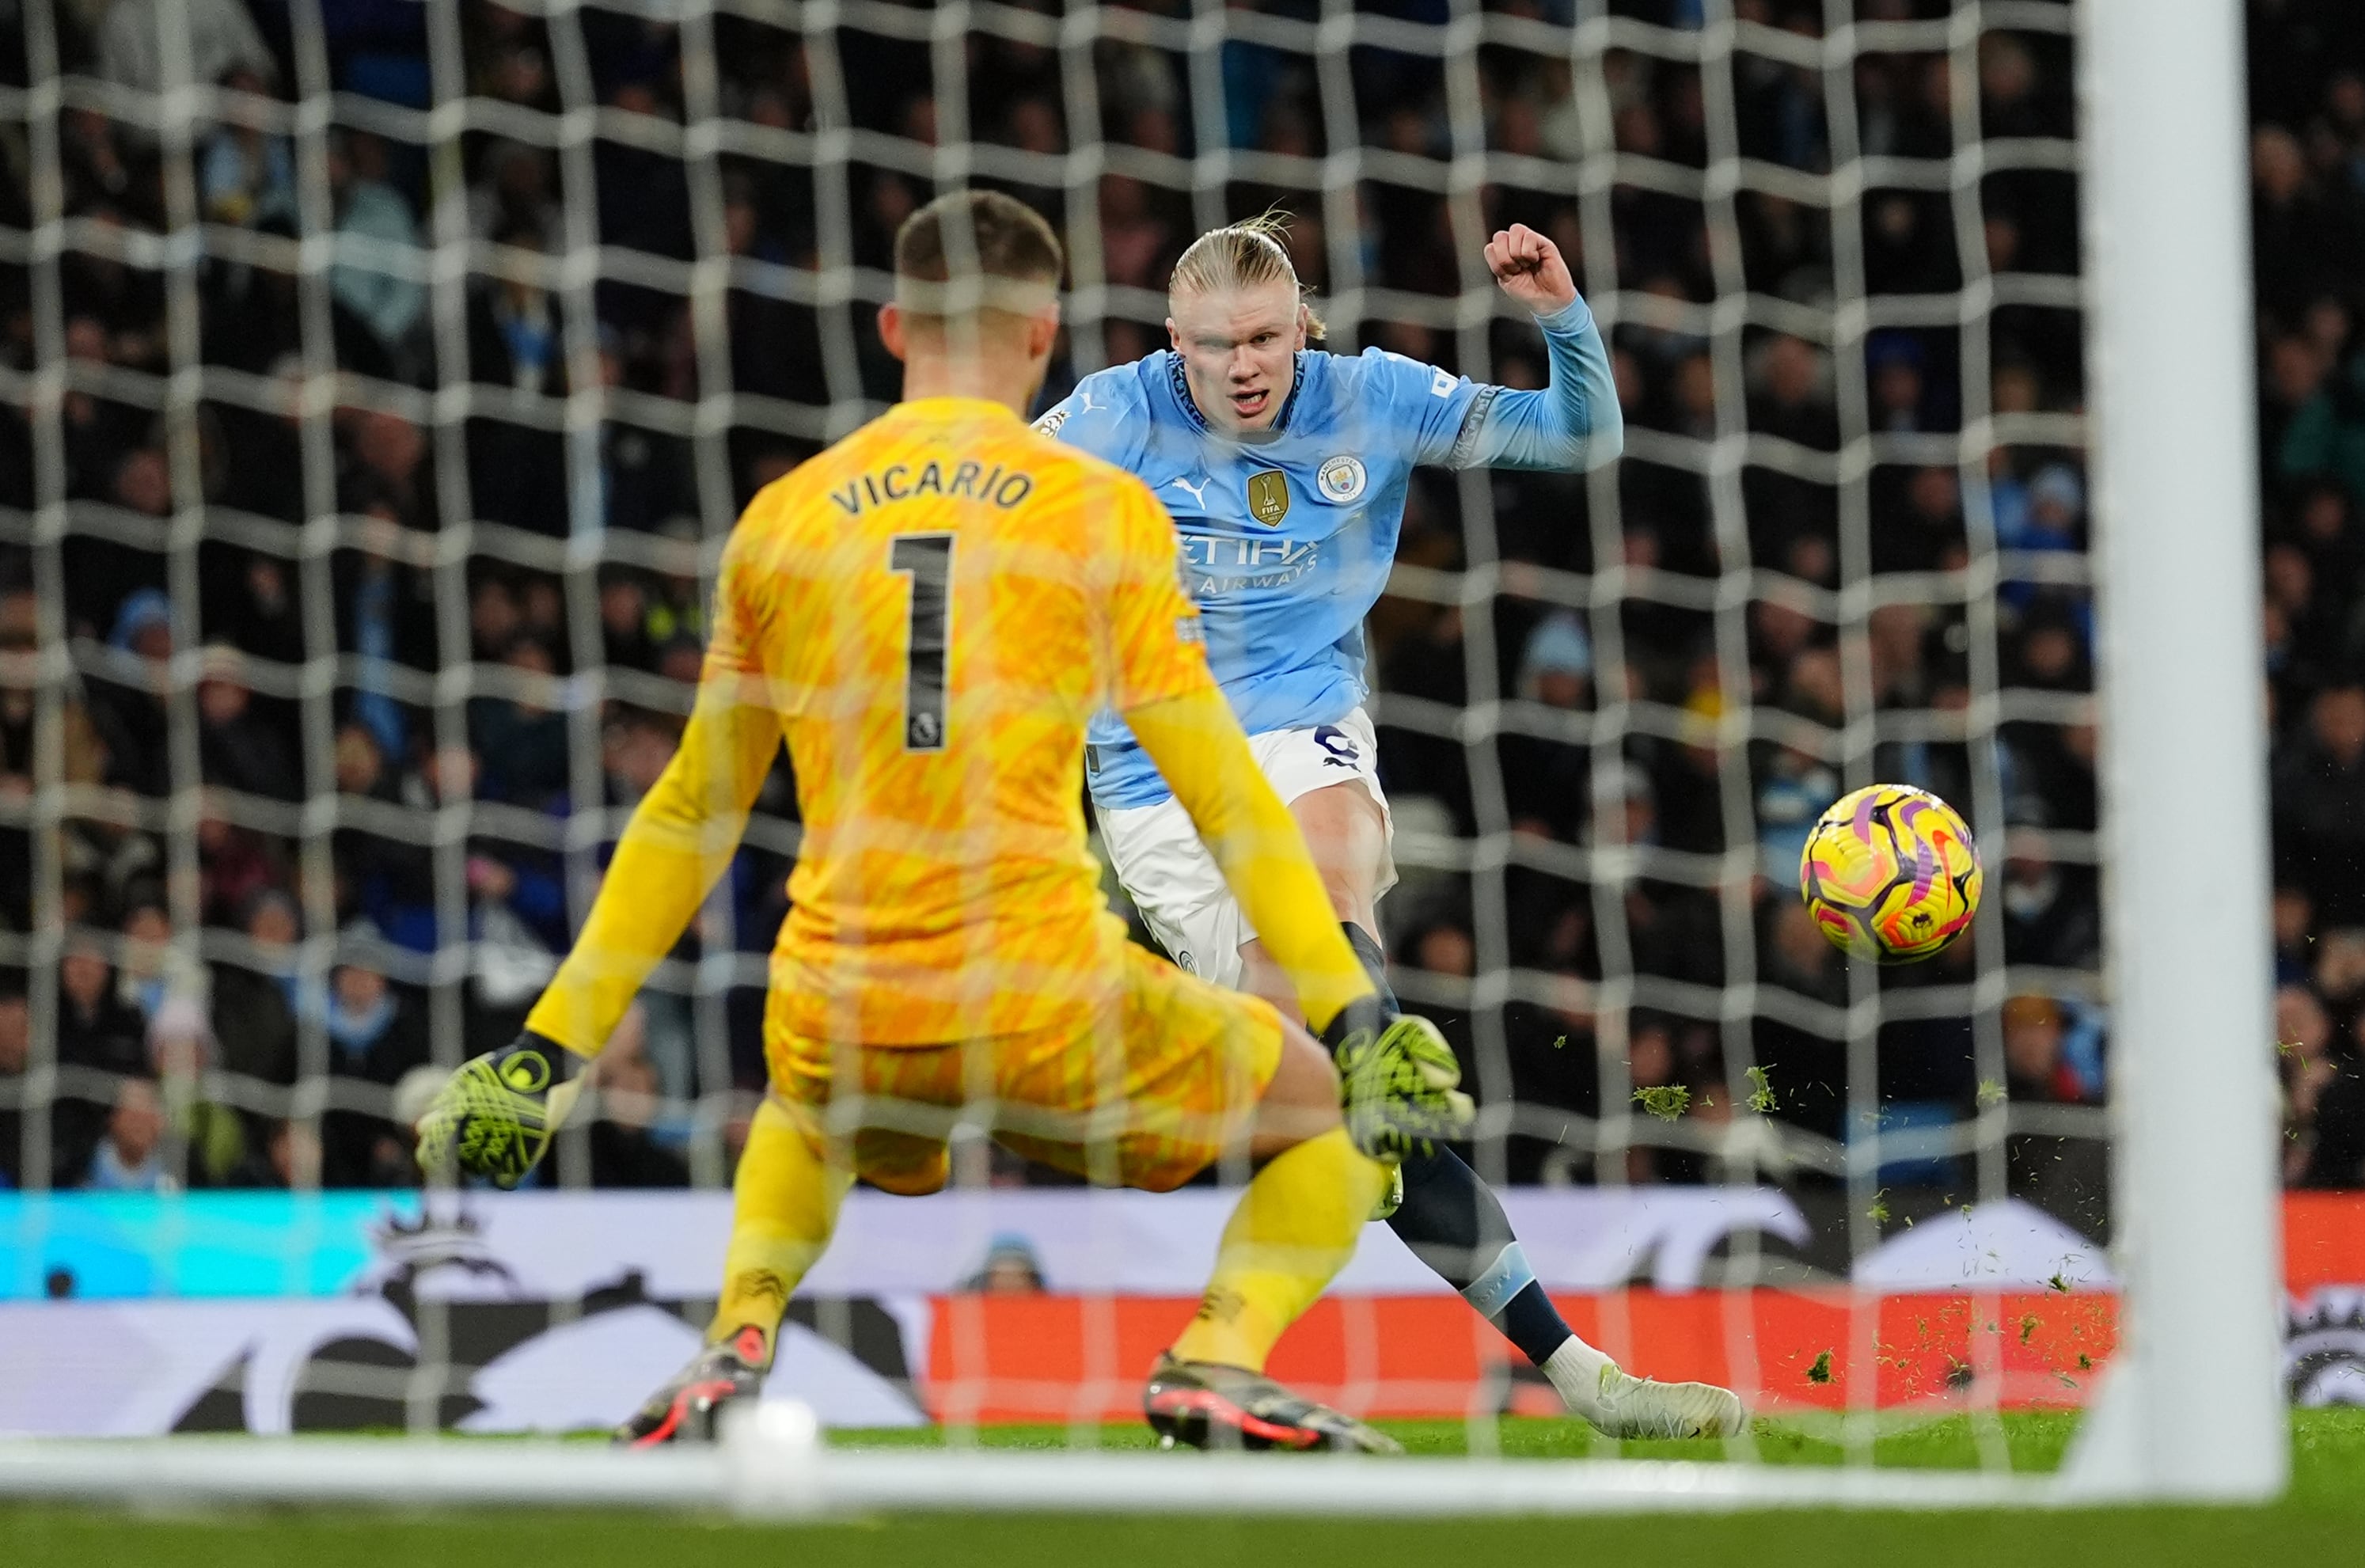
(1890, 874)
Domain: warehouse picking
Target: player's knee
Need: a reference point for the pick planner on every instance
(1265, 979)
(1350, 895)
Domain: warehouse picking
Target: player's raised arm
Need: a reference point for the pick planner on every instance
(1573, 423)
(496, 1114)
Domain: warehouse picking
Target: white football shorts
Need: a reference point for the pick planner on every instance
(1174, 882)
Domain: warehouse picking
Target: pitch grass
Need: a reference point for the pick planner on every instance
(2323, 1519)
(2035, 1440)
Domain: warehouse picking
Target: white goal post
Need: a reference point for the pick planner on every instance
(2192, 1406)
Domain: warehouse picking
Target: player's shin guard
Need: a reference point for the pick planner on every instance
(1453, 1223)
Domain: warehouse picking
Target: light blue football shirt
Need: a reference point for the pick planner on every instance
(1287, 534)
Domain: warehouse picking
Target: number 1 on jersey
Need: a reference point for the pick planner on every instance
(928, 557)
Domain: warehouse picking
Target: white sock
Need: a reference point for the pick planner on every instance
(1575, 1372)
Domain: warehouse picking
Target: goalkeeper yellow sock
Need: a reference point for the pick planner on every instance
(783, 1207)
(1295, 1227)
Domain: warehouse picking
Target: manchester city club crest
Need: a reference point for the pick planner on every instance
(1269, 496)
(1340, 480)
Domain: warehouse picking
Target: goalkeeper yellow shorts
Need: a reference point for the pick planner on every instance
(1148, 1094)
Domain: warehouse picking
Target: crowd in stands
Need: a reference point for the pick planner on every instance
(512, 606)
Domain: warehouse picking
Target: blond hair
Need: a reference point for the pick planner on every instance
(1242, 255)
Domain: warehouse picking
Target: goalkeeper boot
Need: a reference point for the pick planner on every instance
(689, 1408)
(1206, 1406)
(1397, 1082)
(1630, 1406)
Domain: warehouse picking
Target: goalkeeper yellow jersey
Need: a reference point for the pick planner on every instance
(936, 607)
(929, 612)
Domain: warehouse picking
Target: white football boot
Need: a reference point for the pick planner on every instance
(1641, 1408)
(1622, 1406)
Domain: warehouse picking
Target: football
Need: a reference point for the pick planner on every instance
(1890, 874)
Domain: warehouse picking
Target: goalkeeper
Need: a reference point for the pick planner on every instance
(930, 612)
(1287, 469)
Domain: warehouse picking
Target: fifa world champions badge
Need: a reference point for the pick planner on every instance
(1269, 496)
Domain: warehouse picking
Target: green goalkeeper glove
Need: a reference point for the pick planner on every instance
(495, 1115)
(1397, 1082)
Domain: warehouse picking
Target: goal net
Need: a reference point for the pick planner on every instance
(382, 382)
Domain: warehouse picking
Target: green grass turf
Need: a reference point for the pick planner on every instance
(2034, 1440)
(2323, 1519)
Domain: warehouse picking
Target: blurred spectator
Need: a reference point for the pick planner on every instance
(287, 1159)
(1546, 780)
(205, 1141)
(247, 177)
(238, 747)
(235, 865)
(2300, 232)
(128, 1158)
(513, 903)
(513, 327)
(375, 1035)
(1011, 1268)
(520, 735)
(1796, 787)
(636, 746)
(2323, 431)
(379, 304)
(254, 995)
(2052, 914)
(96, 1030)
(2319, 800)
(516, 194)
(1924, 534)
(2053, 653)
(624, 620)
(625, 1151)
(386, 472)
(2035, 1066)
(131, 714)
(153, 971)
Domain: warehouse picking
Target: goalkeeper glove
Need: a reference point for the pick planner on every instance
(1397, 1082)
(495, 1115)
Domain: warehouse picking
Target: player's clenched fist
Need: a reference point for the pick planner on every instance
(1531, 269)
(495, 1115)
